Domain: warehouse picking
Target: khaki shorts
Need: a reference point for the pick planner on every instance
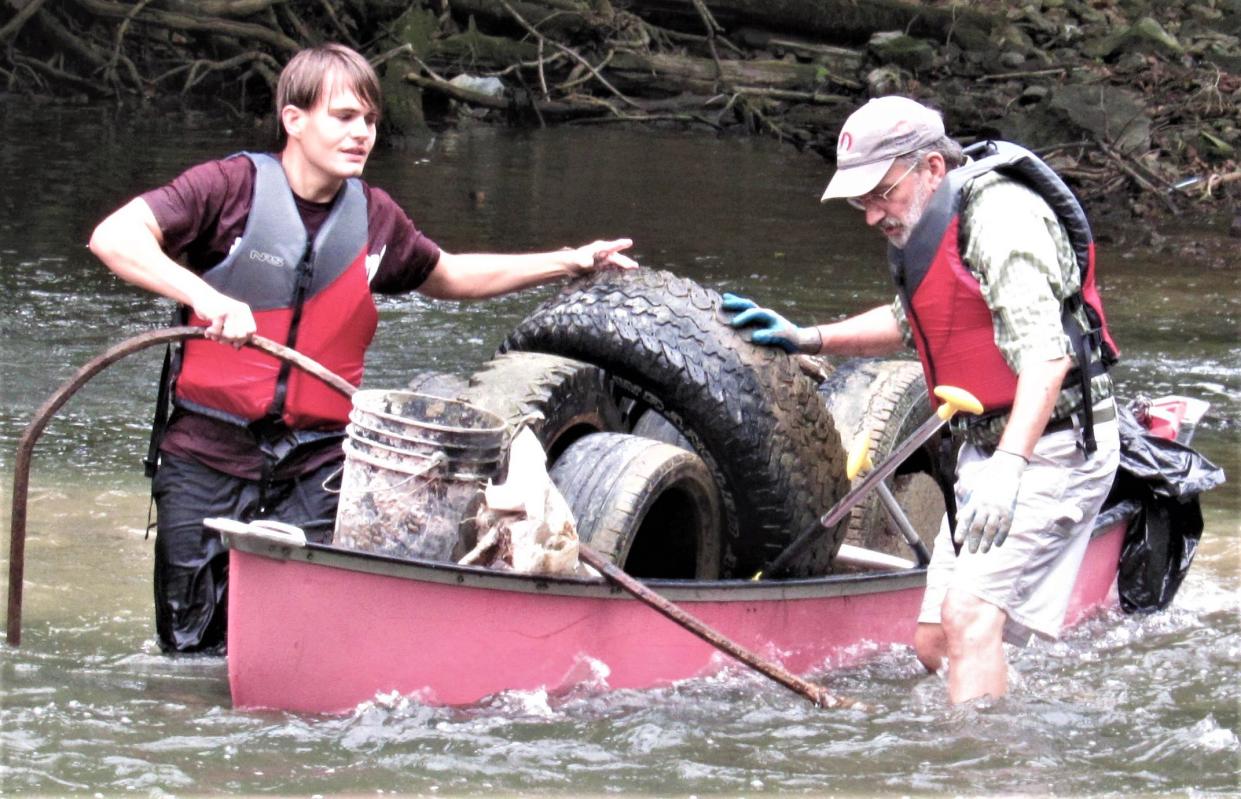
(1031, 576)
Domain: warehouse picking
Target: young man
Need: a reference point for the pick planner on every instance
(290, 246)
(994, 269)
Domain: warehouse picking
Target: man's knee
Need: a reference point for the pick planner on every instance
(969, 622)
(930, 645)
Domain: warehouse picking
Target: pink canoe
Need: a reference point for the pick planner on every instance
(321, 629)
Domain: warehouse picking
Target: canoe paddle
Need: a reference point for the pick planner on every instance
(815, 693)
(954, 400)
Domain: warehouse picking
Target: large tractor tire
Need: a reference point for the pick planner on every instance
(748, 411)
(558, 398)
(653, 508)
(888, 400)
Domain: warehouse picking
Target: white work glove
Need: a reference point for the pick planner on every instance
(987, 511)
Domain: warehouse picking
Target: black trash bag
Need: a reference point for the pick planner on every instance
(1164, 478)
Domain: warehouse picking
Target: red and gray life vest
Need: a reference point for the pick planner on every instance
(311, 296)
(951, 323)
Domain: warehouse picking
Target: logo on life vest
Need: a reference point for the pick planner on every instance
(266, 257)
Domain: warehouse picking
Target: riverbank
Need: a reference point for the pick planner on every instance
(1135, 103)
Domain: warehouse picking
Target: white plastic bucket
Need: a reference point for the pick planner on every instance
(414, 465)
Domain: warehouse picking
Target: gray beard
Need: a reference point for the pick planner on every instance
(917, 205)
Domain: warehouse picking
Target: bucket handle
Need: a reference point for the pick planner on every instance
(336, 474)
(435, 461)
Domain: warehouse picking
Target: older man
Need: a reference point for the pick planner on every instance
(993, 264)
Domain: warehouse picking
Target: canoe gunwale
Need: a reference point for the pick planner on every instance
(475, 577)
(733, 590)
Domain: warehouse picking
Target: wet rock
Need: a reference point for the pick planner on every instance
(1086, 13)
(1221, 50)
(1012, 60)
(894, 47)
(1050, 117)
(1031, 17)
(1205, 13)
(888, 79)
(1032, 95)
(1108, 113)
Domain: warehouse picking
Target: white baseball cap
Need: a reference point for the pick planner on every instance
(873, 137)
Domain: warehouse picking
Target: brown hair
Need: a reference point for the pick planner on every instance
(303, 79)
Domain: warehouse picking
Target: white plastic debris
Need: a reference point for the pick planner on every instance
(490, 86)
(524, 524)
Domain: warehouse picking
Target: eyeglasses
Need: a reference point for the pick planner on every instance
(870, 198)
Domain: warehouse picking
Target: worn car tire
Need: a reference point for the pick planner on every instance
(888, 399)
(748, 411)
(558, 398)
(653, 508)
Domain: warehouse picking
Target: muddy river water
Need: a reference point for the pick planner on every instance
(1122, 706)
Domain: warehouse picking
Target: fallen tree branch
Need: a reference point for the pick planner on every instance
(188, 22)
(713, 28)
(344, 32)
(38, 67)
(200, 68)
(838, 19)
(285, 11)
(1146, 181)
(110, 69)
(65, 39)
(24, 13)
(1216, 180)
(569, 52)
(1033, 73)
(794, 96)
(223, 8)
(553, 109)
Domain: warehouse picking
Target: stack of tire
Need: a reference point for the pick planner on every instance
(683, 450)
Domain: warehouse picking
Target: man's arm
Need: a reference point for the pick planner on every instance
(129, 242)
(1038, 385)
(873, 332)
(477, 275)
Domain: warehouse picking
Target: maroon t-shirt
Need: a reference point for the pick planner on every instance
(201, 214)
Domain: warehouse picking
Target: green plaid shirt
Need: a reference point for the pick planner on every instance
(1020, 254)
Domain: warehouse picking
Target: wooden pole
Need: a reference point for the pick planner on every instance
(815, 693)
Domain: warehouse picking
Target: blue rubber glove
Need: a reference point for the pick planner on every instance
(987, 515)
(770, 328)
(733, 304)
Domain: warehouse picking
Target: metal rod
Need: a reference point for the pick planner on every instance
(45, 412)
(898, 518)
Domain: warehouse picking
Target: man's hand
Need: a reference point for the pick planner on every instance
(770, 328)
(602, 255)
(987, 512)
(228, 320)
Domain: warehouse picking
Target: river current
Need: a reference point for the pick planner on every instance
(1123, 705)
